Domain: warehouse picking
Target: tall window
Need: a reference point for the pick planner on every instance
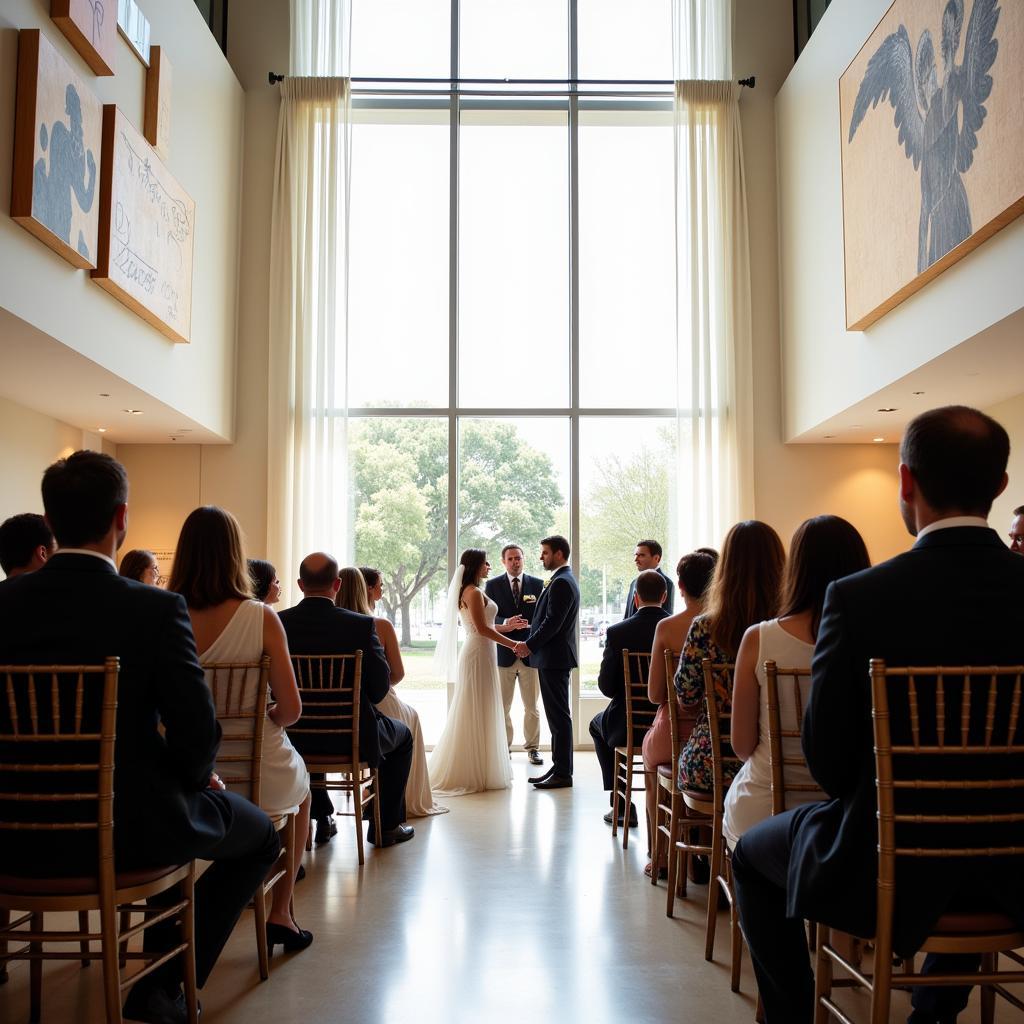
(512, 364)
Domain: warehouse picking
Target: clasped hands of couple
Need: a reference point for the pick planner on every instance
(519, 649)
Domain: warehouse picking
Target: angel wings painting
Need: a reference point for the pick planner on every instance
(938, 114)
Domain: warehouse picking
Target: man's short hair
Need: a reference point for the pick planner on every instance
(650, 586)
(557, 543)
(20, 536)
(652, 545)
(319, 579)
(81, 494)
(511, 547)
(957, 456)
(1019, 510)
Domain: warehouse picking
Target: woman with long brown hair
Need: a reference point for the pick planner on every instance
(744, 590)
(353, 595)
(210, 572)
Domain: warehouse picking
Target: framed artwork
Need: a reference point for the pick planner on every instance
(58, 133)
(134, 26)
(932, 135)
(147, 231)
(91, 28)
(157, 123)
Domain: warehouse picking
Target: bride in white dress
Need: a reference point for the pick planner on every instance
(472, 754)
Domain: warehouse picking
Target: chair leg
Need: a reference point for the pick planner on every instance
(822, 976)
(759, 1010)
(188, 938)
(714, 891)
(736, 942)
(259, 906)
(376, 800)
(83, 927)
(126, 923)
(655, 841)
(989, 962)
(110, 950)
(672, 856)
(615, 794)
(627, 802)
(881, 989)
(5, 920)
(35, 973)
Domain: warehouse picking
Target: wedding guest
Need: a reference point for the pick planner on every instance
(1017, 530)
(419, 801)
(26, 542)
(647, 555)
(823, 549)
(167, 807)
(266, 587)
(744, 590)
(694, 573)
(210, 572)
(608, 728)
(141, 565)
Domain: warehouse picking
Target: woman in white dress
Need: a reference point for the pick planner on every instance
(353, 595)
(823, 549)
(472, 754)
(210, 572)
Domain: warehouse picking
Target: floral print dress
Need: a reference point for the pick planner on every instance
(695, 771)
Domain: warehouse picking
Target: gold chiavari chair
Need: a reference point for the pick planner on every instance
(240, 693)
(948, 718)
(629, 759)
(798, 681)
(70, 711)
(329, 685)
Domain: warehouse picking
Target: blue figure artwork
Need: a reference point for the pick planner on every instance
(938, 123)
(71, 172)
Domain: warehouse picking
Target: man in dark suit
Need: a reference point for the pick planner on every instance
(316, 626)
(608, 729)
(956, 598)
(516, 593)
(551, 646)
(168, 805)
(647, 555)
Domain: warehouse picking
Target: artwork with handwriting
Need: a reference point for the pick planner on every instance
(91, 28)
(156, 124)
(57, 137)
(147, 230)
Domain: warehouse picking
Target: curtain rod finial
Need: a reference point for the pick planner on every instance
(274, 78)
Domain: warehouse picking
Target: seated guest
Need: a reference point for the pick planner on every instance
(266, 585)
(744, 590)
(820, 861)
(608, 729)
(168, 808)
(354, 595)
(647, 555)
(1017, 530)
(823, 549)
(230, 627)
(315, 626)
(141, 565)
(26, 542)
(694, 573)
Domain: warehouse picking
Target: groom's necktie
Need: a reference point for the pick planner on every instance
(515, 590)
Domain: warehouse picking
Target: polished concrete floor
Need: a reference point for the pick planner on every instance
(516, 906)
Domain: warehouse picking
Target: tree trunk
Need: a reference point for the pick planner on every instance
(406, 626)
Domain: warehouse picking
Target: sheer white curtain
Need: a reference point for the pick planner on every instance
(713, 321)
(307, 460)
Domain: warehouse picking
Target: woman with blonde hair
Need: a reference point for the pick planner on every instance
(419, 801)
(210, 572)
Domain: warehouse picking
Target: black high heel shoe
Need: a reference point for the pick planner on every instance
(279, 935)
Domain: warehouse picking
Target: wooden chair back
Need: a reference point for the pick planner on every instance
(70, 711)
(720, 729)
(783, 738)
(330, 687)
(240, 696)
(671, 660)
(640, 712)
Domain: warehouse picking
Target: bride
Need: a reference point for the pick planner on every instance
(472, 754)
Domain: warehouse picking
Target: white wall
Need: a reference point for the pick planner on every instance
(826, 368)
(205, 156)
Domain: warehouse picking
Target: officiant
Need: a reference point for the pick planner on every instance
(516, 593)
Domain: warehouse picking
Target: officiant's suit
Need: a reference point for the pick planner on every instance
(500, 591)
(552, 643)
(76, 609)
(316, 626)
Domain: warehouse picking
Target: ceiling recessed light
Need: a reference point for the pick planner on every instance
(877, 440)
(888, 408)
(829, 435)
(917, 392)
(103, 394)
(134, 412)
(101, 430)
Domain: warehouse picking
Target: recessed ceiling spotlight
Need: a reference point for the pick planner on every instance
(829, 435)
(103, 394)
(134, 412)
(878, 440)
(101, 430)
(888, 408)
(917, 392)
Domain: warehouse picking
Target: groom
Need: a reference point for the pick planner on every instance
(551, 647)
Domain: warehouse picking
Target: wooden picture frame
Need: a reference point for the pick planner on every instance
(932, 132)
(157, 121)
(147, 231)
(91, 28)
(58, 134)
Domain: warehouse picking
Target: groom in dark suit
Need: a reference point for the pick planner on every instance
(551, 646)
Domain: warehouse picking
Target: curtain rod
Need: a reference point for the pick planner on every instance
(273, 78)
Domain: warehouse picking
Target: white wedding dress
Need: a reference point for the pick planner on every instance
(472, 754)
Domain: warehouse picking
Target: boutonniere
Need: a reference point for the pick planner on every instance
(530, 598)
(547, 583)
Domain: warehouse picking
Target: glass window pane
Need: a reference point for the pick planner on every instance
(625, 40)
(398, 271)
(401, 39)
(627, 266)
(524, 39)
(514, 265)
(627, 493)
(399, 524)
